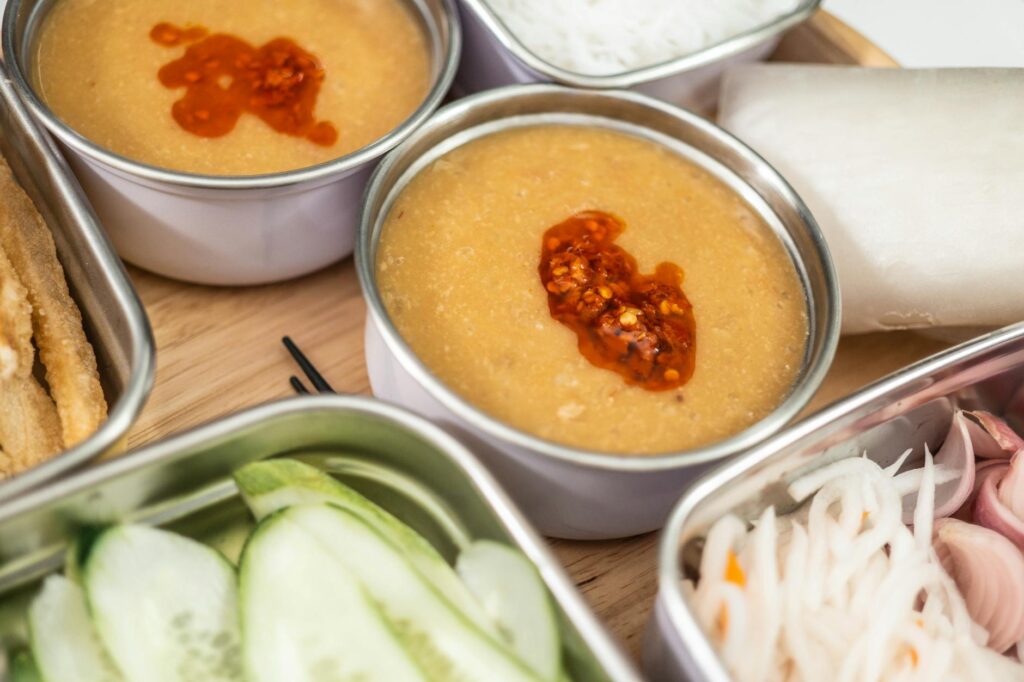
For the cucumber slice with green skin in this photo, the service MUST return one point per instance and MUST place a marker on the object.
(444, 643)
(64, 642)
(72, 567)
(78, 550)
(164, 606)
(306, 619)
(274, 484)
(515, 597)
(24, 669)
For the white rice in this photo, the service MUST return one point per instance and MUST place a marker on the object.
(603, 37)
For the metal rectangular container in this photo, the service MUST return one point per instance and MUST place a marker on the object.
(115, 322)
(493, 57)
(905, 410)
(399, 460)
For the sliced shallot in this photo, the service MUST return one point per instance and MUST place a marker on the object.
(989, 467)
(990, 510)
(992, 437)
(956, 459)
(988, 570)
(1011, 487)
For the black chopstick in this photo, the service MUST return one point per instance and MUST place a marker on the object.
(297, 384)
(315, 378)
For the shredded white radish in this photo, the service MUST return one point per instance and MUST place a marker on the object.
(806, 486)
(910, 481)
(895, 467)
(840, 589)
(924, 512)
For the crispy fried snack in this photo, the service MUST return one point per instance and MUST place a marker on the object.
(56, 322)
(16, 352)
(29, 426)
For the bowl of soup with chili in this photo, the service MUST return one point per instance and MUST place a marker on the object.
(608, 292)
(201, 128)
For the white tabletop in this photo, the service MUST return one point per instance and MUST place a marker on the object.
(940, 32)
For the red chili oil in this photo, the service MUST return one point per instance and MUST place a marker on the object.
(639, 326)
(225, 77)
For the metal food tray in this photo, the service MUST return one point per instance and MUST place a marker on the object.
(906, 410)
(399, 460)
(115, 322)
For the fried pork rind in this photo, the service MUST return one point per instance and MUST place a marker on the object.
(30, 429)
(57, 324)
(16, 352)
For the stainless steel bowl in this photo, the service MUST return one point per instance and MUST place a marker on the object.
(114, 320)
(570, 492)
(227, 229)
(494, 56)
(905, 410)
(399, 460)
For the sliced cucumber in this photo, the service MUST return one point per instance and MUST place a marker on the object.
(63, 639)
(445, 644)
(305, 618)
(165, 606)
(78, 550)
(515, 597)
(274, 484)
(72, 565)
(24, 669)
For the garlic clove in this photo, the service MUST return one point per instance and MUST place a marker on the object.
(987, 569)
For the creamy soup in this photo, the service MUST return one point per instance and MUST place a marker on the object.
(227, 88)
(470, 268)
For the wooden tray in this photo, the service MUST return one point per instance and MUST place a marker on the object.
(219, 350)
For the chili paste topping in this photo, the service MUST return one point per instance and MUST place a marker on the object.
(224, 77)
(639, 326)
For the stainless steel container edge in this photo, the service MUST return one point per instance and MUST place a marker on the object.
(904, 410)
(496, 57)
(550, 72)
(114, 318)
(381, 445)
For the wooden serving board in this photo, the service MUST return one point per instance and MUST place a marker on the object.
(219, 350)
